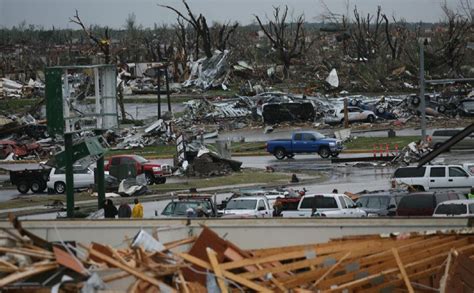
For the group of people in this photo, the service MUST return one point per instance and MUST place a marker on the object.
(124, 210)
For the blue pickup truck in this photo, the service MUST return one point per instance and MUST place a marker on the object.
(304, 142)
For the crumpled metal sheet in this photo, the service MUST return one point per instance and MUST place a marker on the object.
(209, 73)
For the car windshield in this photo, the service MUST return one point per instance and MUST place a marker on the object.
(178, 208)
(451, 209)
(374, 202)
(242, 204)
(319, 202)
(140, 159)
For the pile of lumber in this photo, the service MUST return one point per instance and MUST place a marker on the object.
(442, 261)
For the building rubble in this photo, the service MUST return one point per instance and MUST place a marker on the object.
(209, 263)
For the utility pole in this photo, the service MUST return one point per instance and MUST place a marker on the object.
(159, 92)
(422, 91)
(167, 88)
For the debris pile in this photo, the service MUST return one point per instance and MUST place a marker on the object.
(441, 260)
(12, 89)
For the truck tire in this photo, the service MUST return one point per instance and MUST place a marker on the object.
(324, 152)
(280, 153)
(23, 187)
(370, 118)
(60, 187)
(150, 179)
(36, 186)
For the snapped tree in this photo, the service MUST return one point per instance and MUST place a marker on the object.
(287, 38)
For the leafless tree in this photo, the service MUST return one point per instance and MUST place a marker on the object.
(221, 34)
(396, 35)
(287, 38)
(454, 38)
(103, 43)
(203, 38)
(365, 34)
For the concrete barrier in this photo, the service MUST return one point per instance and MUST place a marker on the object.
(247, 233)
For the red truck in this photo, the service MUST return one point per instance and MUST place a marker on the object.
(154, 173)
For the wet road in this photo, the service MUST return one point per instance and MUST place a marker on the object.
(344, 177)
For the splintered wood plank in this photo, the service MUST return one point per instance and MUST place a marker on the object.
(402, 270)
(25, 274)
(217, 270)
(424, 273)
(434, 260)
(132, 271)
(66, 260)
(227, 274)
(48, 255)
(305, 263)
(183, 283)
(177, 243)
(382, 262)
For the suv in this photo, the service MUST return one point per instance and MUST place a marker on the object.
(424, 203)
(455, 208)
(433, 177)
(381, 203)
(154, 173)
(439, 136)
(83, 178)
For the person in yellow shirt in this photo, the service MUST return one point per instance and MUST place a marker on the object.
(137, 212)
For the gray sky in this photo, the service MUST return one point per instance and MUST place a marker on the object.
(114, 12)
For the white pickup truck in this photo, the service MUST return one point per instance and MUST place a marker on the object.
(325, 205)
(434, 177)
(248, 207)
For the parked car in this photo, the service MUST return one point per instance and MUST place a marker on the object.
(424, 203)
(83, 178)
(433, 177)
(304, 142)
(455, 208)
(248, 207)
(466, 108)
(381, 204)
(354, 114)
(154, 173)
(202, 206)
(325, 205)
(439, 136)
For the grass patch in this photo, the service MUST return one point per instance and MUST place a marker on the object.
(17, 105)
(38, 200)
(367, 143)
(243, 177)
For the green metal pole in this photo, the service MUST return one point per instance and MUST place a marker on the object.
(100, 182)
(69, 175)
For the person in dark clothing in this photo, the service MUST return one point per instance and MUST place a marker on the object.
(110, 211)
(124, 210)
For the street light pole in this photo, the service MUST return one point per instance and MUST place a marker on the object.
(422, 91)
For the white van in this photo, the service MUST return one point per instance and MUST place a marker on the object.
(455, 208)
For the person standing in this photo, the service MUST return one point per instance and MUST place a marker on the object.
(124, 210)
(110, 211)
(137, 212)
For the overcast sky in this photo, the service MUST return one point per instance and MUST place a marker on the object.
(113, 13)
